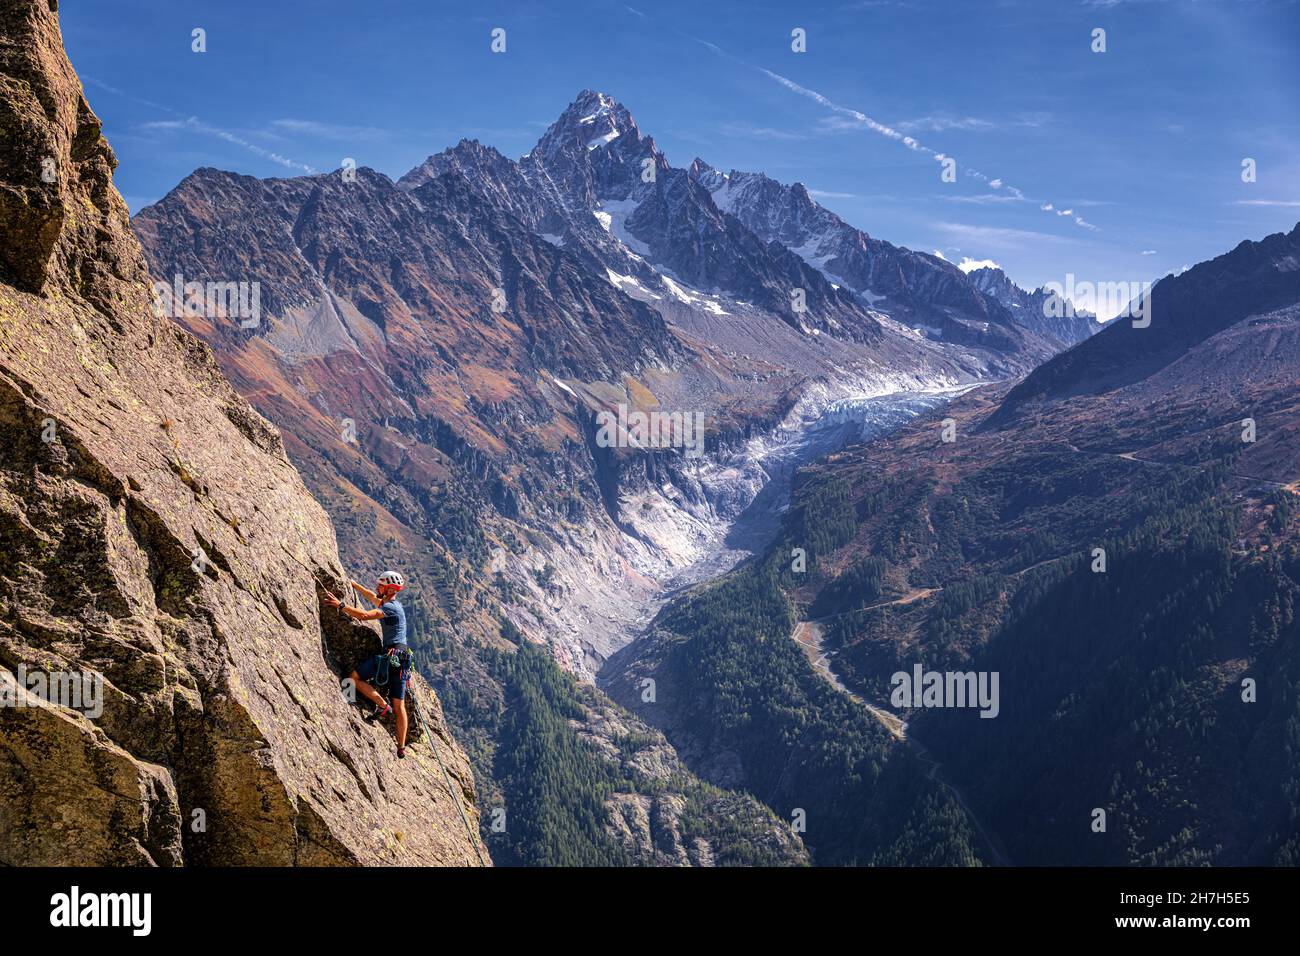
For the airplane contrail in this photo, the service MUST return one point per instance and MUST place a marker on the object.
(883, 129)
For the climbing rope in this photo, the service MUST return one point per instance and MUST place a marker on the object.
(469, 831)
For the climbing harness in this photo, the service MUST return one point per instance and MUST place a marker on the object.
(391, 659)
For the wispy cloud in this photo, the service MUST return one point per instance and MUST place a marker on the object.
(837, 124)
(750, 131)
(863, 121)
(822, 194)
(996, 237)
(335, 131)
(1267, 202)
(857, 118)
(101, 85)
(983, 199)
(195, 125)
(969, 265)
(942, 122)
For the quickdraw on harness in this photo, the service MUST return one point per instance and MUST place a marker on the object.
(395, 657)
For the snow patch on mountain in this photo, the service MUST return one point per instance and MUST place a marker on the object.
(617, 211)
(629, 284)
(603, 139)
(813, 253)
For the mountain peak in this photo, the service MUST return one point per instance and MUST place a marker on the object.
(593, 99)
(593, 120)
(707, 176)
(992, 280)
(464, 157)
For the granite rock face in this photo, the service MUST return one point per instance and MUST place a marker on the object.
(157, 544)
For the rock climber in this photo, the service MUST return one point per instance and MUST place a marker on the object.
(392, 668)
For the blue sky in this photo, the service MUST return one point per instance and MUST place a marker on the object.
(1137, 151)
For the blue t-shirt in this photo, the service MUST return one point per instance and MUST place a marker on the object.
(393, 623)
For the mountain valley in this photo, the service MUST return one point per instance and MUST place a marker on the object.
(441, 350)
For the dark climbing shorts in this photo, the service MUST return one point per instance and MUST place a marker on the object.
(385, 677)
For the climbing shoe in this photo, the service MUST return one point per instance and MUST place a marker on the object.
(379, 713)
(401, 752)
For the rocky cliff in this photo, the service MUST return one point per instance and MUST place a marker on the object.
(156, 542)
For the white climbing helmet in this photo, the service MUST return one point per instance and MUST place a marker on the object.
(393, 579)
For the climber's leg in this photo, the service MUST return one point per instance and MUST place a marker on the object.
(365, 690)
(399, 708)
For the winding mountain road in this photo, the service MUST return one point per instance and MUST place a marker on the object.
(1293, 487)
(809, 635)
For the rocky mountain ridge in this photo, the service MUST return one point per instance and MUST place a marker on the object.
(1186, 310)
(1049, 313)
